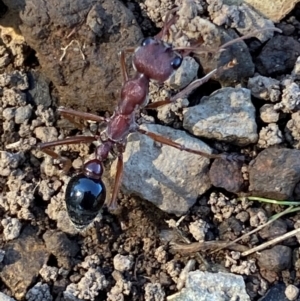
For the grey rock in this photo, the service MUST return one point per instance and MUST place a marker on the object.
(250, 21)
(205, 286)
(40, 292)
(274, 173)
(4, 297)
(290, 98)
(265, 88)
(9, 113)
(24, 257)
(169, 178)
(154, 292)
(243, 18)
(275, 259)
(226, 115)
(23, 114)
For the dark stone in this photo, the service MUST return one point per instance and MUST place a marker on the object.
(87, 80)
(275, 229)
(61, 247)
(275, 293)
(230, 225)
(275, 259)
(39, 89)
(275, 173)
(278, 56)
(227, 175)
(24, 257)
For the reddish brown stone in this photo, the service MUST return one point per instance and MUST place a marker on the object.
(275, 173)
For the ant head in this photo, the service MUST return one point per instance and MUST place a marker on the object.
(156, 59)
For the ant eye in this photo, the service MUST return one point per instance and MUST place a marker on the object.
(176, 62)
(147, 41)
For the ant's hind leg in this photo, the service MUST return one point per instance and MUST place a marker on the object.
(169, 142)
(46, 148)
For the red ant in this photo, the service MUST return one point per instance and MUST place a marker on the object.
(153, 60)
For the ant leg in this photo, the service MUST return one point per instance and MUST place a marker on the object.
(168, 23)
(45, 147)
(187, 90)
(204, 49)
(169, 142)
(85, 116)
(112, 204)
(123, 63)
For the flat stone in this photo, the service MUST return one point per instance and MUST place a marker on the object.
(169, 178)
(24, 257)
(227, 175)
(274, 173)
(203, 286)
(275, 259)
(226, 115)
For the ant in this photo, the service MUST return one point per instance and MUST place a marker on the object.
(154, 60)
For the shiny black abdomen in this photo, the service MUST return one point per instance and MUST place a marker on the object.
(84, 199)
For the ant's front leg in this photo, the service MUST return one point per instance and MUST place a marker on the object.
(123, 63)
(169, 142)
(46, 148)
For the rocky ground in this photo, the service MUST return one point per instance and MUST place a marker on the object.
(167, 239)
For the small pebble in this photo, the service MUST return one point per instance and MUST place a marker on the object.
(292, 292)
(123, 263)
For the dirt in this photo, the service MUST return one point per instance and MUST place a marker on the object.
(117, 257)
